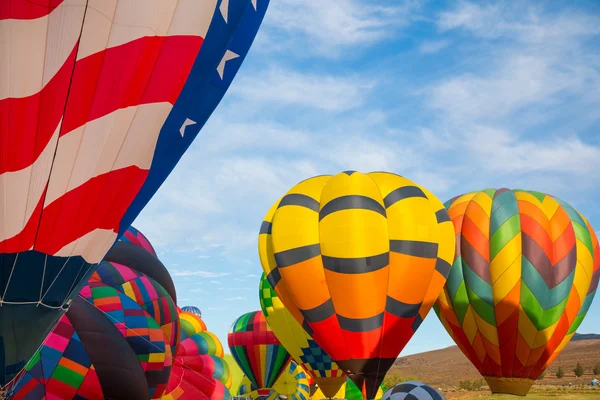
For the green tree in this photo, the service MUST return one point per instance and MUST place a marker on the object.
(578, 370)
(596, 369)
(560, 373)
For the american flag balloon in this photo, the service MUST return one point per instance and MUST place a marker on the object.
(99, 99)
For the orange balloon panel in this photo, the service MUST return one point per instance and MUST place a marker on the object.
(358, 259)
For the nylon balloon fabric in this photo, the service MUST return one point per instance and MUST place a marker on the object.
(348, 391)
(292, 383)
(412, 390)
(193, 309)
(199, 370)
(352, 392)
(133, 236)
(84, 357)
(297, 341)
(120, 300)
(257, 350)
(99, 101)
(525, 275)
(192, 324)
(362, 258)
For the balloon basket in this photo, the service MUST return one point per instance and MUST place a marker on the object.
(514, 386)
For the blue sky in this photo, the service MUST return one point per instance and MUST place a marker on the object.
(455, 96)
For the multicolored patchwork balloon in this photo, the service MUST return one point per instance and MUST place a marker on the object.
(257, 350)
(362, 259)
(526, 271)
(199, 370)
(122, 321)
(295, 339)
(112, 284)
(78, 359)
(133, 236)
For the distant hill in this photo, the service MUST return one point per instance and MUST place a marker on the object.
(585, 336)
(447, 367)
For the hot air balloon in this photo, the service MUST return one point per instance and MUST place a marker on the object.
(257, 350)
(192, 310)
(348, 391)
(203, 342)
(121, 330)
(412, 390)
(362, 258)
(133, 236)
(199, 370)
(296, 341)
(526, 271)
(292, 383)
(98, 102)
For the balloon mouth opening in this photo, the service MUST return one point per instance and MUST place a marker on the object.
(513, 386)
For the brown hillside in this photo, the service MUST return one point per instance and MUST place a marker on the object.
(447, 367)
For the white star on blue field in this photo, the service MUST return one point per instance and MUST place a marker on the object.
(455, 96)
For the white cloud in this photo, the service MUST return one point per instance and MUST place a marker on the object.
(520, 80)
(500, 151)
(202, 274)
(433, 46)
(518, 21)
(278, 87)
(235, 298)
(330, 27)
(540, 63)
(529, 67)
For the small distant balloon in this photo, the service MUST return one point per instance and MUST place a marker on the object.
(192, 310)
(412, 390)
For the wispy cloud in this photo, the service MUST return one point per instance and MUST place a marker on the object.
(433, 46)
(201, 274)
(520, 21)
(235, 298)
(333, 26)
(279, 87)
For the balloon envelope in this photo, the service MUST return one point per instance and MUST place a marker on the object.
(133, 236)
(526, 271)
(257, 350)
(363, 258)
(412, 390)
(296, 340)
(98, 102)
(292, 383)
(121, 318)
(193, 310)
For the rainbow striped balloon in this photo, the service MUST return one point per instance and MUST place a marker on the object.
(257, 350)
(525, 273)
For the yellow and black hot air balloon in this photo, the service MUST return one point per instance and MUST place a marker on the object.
(358, 260)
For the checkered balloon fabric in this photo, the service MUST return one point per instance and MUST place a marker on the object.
(412, 390)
